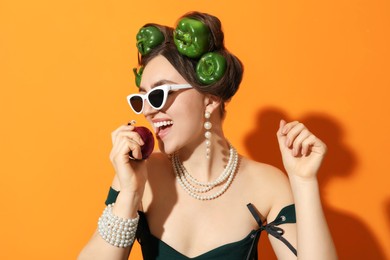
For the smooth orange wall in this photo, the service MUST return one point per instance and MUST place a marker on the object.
(65, 69)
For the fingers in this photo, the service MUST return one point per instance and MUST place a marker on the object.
(128, 147)
(126, 131)
(125, 142)
(303, 143)
(281, 137)
(115, 133)
(285, 135)
(296, 137)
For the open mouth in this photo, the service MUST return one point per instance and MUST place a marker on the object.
(162, 127)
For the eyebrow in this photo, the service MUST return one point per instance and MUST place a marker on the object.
(159, 83)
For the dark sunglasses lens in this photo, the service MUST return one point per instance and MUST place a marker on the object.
(156, 98)
(136, 103)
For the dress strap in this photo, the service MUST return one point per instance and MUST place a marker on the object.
(111, 196)
(286, 215)
(255, 214)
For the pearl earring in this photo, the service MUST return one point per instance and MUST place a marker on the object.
(207, 134)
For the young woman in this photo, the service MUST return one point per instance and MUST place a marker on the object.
(198, 198)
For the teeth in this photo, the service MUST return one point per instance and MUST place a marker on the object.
(162, 123)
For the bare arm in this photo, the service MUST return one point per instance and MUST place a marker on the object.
(314, 239)
(302, 155)
(97, 248)
(130, 179)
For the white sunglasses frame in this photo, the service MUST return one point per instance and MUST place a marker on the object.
(165, 88)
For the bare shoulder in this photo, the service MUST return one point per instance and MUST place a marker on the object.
(262, 174)
(270, 187)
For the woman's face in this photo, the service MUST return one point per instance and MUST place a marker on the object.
(183, 112)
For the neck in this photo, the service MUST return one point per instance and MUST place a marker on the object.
(194, 158)
(212, 187)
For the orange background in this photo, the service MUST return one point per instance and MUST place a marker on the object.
(65, 69)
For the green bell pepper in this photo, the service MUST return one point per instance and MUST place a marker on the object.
(138, 75)
(191, 37)
(148, 38)
(210, 68)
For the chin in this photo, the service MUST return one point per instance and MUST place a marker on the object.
(165, 147)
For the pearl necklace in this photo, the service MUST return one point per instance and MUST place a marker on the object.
(188, 182)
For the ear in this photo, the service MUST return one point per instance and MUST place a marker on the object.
(212, 103)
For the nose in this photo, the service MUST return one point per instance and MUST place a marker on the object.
(148, 109)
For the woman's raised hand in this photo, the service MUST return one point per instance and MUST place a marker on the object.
(132, 173)
(302, 152)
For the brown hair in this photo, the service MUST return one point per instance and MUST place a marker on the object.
(227, 86)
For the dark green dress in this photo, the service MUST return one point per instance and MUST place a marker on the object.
(155, 249)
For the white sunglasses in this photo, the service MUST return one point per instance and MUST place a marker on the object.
(156, 97)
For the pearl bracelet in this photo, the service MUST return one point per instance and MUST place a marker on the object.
(117, 231)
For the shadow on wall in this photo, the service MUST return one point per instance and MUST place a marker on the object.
(352, 237)
(387, 213)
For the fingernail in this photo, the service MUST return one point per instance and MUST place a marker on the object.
(131, 122)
